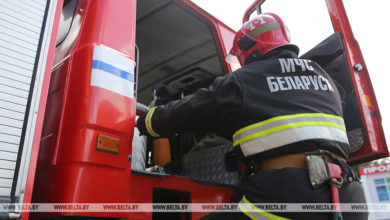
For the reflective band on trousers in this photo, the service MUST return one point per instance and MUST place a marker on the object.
(254, 212)
(148, 123)
(287, 129)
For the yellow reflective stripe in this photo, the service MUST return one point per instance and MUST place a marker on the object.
(148, 123)
(292, 135)
(246, 213)
(286, 121)
(288, 126)
(259, 211)
(286, 117)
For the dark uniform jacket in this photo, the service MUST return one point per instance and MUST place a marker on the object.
(277, 105)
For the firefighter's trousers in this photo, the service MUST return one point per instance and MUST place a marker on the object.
(290, 185)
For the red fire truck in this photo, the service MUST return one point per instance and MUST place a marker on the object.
(75, 73)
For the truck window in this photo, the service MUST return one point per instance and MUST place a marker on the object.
(67, 13)
(178, 54)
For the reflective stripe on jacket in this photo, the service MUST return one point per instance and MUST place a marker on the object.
(287, 129)
(148, 123)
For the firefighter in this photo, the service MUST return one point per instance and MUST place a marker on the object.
(280, 111)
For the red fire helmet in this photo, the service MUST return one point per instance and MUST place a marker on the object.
(258, 37)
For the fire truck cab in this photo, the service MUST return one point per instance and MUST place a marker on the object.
(76, 73)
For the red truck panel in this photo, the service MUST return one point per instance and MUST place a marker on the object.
(70, 168)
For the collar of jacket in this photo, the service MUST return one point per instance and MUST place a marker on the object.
(278, 53)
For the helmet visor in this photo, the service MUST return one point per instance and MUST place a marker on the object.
(232, 59)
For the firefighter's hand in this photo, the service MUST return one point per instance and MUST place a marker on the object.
(141, 124)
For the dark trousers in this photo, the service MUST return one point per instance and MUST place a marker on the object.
(292, 185)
